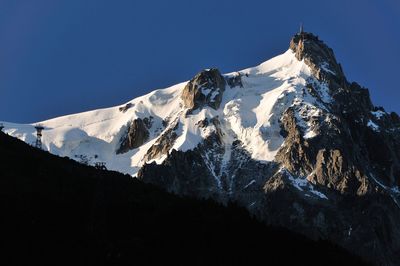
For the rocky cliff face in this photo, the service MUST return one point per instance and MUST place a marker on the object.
(356, 133)
(356, 155)
(206, 88)
(136, 134)
(335, 176)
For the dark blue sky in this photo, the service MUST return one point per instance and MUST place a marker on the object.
(61, 57)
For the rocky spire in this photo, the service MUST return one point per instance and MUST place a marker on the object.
(136, 134)
(318, 56)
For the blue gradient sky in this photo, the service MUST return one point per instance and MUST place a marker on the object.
(61, 57)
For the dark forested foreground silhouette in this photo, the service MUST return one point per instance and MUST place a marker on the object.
(55, 211)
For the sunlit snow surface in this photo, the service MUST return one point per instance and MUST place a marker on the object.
(250, 114)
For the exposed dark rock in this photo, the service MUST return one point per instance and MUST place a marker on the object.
(165, 122)
(182, 173)
(235, 81)
(206, 88)
(218, 132)
(319, 57)
(203, 123)
(355, 101)
(366, 225)
(163, 144)
(292, 155)
(395, 118)
(148, 121)
(329, 159)
(137, 134)
(126, 107)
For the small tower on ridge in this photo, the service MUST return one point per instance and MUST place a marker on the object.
(38, 143)
(301, 29)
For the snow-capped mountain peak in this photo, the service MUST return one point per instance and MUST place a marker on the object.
(290, 139)
(248, 110)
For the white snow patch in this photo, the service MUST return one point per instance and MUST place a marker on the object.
(394, 191)
(373, 126)
(211, 167)
(324, 92)
(378, 114)
(214, 94)
(310, 134)
(249, 184)
(303, 184)
(325, 66)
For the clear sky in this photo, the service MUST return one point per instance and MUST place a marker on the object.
(66, 56)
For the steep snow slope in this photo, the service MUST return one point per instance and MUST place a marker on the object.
(249, 113)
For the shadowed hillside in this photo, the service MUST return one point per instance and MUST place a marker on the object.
(56, 211)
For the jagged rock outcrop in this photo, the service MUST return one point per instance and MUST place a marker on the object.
(126, 107)
(319, 57)
(206, 88)
(137, 134)
(327, 159)
(235, 80)
(352, 142)
(163, 144)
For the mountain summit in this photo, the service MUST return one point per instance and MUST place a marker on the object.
(290, 139)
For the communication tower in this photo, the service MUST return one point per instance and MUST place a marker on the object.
(38, 142)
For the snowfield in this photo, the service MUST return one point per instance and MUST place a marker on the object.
(250, 114)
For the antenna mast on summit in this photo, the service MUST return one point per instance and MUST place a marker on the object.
(38, 143)
(301, 28)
